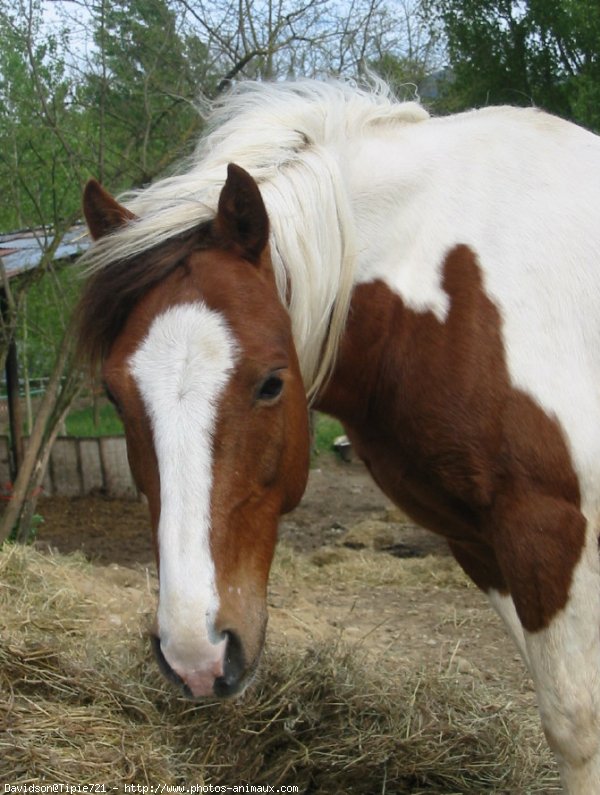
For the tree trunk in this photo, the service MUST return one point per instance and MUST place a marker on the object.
(54, 406)
(15, 414)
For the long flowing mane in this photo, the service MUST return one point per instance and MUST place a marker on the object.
(289, 136)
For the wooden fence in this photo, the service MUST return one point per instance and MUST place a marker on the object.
(80, 466)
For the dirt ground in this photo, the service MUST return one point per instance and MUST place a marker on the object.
(338, 497)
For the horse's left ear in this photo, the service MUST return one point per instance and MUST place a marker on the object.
(103, 214)
(242, 219)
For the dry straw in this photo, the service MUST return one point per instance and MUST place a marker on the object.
(81, 702)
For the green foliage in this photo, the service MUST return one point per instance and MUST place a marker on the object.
(36, 521)
(122, 113)
(45, 316)
(523, 52)
(326, 429)
(403, 75)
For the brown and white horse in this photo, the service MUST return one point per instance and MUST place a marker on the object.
(435, 284)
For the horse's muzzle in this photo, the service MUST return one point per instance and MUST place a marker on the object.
(227, 681)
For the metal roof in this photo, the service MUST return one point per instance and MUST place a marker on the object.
(22, 251)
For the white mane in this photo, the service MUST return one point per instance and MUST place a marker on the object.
(289, 137)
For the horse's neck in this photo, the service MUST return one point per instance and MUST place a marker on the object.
(356, 374)
(380, 179)
(353, 216)
(396, 273)
(392, 189)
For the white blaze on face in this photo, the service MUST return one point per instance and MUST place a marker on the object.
(181, 369)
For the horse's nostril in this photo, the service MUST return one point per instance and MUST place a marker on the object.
(165, 668)
(233, 669)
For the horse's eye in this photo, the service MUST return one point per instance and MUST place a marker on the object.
(270, 388)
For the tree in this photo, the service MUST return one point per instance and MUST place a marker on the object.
(109, 88)
(139, 89)
(523, 52)
(60, 123)
(38, 157)
(268, 39)
(407, 68)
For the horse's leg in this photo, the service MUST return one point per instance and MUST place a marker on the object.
(549, 557)
(479, 563)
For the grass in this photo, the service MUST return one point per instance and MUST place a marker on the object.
(80, 422)
(81, 702)
(368, 568)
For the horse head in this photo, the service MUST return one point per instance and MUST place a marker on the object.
(201, 365)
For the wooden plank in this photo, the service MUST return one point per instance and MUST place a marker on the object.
(47, 487)
(66, 479)
(117, 475)
(91, 466)
(82, 466)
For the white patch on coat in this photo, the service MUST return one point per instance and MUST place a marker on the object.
(181, 369)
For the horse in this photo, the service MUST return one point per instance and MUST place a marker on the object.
(434, 283)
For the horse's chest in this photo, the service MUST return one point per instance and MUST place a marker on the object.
(434, 494)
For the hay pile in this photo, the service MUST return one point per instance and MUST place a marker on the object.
(81, 702)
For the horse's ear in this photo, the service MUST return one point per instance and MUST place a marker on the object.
(103, 214)
(242, 219)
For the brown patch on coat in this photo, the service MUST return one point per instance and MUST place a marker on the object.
(432, 412)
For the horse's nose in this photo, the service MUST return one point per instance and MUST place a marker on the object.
(221, 677)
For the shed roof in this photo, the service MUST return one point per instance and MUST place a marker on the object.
(22, 251)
